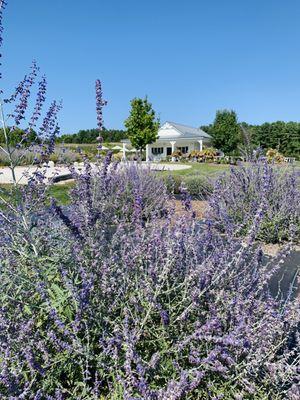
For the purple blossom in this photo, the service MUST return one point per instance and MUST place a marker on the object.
(22, 105)
(100, 103)
(41, 97)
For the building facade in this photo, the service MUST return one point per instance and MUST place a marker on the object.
(172, 137)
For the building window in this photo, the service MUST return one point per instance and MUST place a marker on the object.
(184, 149)
(157, 150)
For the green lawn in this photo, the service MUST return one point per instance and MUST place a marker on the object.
(72, 145)
(60, 192)
(204, 169)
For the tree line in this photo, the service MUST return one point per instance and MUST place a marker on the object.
(90, 136)
(234, 137)
(228, 134)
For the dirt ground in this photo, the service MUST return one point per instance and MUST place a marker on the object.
(199, 207)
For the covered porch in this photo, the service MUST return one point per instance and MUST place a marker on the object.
(162, 149)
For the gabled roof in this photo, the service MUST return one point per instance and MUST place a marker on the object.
(185, 131)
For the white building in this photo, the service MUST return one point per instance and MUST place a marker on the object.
(173, 136)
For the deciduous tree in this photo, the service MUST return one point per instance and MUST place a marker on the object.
(226, 131)
(142, 124)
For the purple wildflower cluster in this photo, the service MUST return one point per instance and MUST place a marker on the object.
(22, 105)
(123, 300)
(40, 99)
(259, 187)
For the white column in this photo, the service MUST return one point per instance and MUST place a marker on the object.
(165, 152)
(147, 152)
(173, 149)
(201, 144)
(124, 151)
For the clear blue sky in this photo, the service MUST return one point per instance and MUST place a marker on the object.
(190, 57)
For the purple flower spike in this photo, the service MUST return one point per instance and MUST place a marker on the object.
(100, 103)
(41, 97)
(21, 107)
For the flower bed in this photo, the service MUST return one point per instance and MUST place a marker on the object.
(121, 301)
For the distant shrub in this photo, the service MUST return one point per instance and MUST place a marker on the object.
(64, 155)
(118, 156)
(177, 154)
(26, 157)
(197, 186)
(173, 183)
(258, 188)
(20, 156)
(274, 156)
(208, 153)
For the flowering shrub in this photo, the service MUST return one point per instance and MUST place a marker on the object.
(176, 154)
(19, 157)
(207, 154)
(263, 188)
(65, 155)
(156, 311)
(110, 193)
(274, 156)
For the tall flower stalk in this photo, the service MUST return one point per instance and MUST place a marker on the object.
(100, 103)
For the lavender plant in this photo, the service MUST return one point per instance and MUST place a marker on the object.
(111, 193)
(273, 191)
(160, 310)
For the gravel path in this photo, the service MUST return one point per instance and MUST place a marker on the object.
(23, 173)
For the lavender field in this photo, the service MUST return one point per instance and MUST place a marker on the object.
(118, 296)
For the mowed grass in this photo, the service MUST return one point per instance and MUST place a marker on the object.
(88, 145)
(60, 192)
(203, 169)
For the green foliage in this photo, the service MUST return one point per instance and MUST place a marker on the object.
(198, 186)
(15, 136)
(280, 135)
(142, 125)
(90, 136)
(225, 131)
